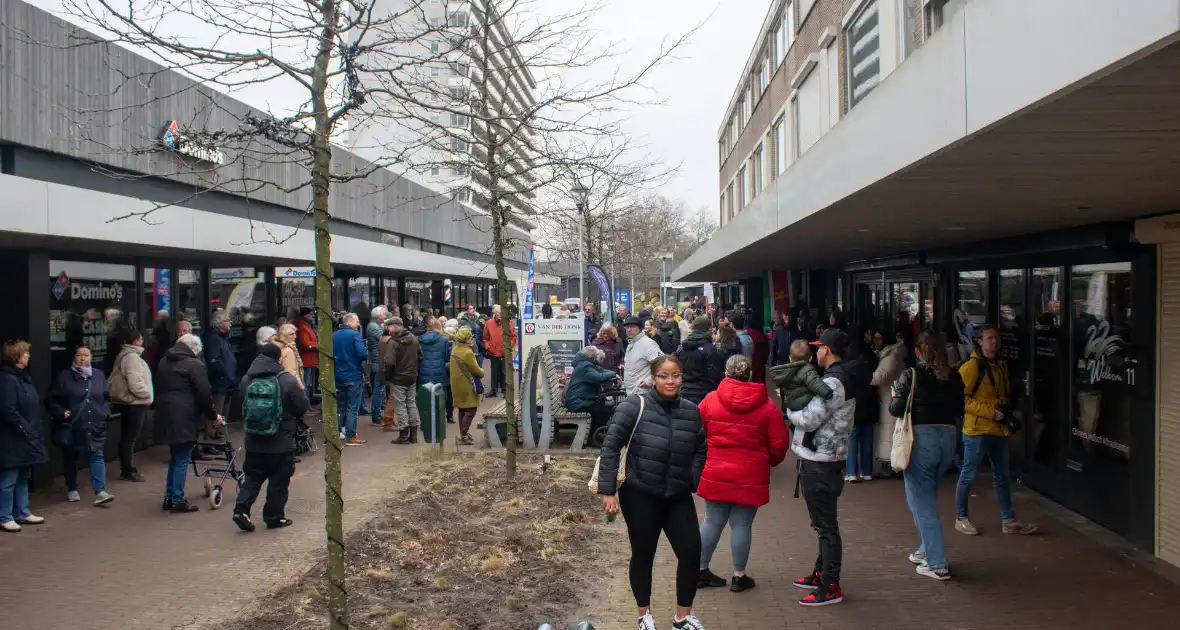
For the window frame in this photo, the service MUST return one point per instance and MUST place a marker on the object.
(846, 33)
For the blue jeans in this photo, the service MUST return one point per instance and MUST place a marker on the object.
(997, 451)
(177, 471)
(98, 469)
(741, 532)
(378, 406)
(308, 380)
(860, 450)
(14, 493)
(930, 458)
(348, 404)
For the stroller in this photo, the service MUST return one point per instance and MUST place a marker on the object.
(610, 396)
(215, 462)
(305, 441)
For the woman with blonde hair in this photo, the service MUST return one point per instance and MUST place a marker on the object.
(288, 353)
(612, 348)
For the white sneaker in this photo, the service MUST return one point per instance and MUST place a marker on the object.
(12, 528)
(342, 436)
(647, 622)
(688, 623)
(103, 498)
(850, 478)
(917, 557)
(32, 519)
(941, 575)
(73, 497)
(866, 477)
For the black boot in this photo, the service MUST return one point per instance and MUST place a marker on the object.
(413, 435)
(403, 437)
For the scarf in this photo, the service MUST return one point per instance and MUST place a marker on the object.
(84, 372)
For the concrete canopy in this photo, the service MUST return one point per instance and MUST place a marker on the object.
(981, 133)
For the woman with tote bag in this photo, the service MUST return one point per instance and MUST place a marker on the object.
(930, 397)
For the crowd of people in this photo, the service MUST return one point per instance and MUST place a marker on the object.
(193, 386)
(698, 418)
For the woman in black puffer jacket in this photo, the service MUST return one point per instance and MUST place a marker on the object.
(664, 464)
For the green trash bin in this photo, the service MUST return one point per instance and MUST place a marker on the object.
(432, 410)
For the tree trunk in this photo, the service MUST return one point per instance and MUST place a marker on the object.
(321, 187)
(499, 219)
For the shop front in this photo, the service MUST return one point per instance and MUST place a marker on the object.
(1077, 327)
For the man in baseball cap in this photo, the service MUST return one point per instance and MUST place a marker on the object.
(820, 441)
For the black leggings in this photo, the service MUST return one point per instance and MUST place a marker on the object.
(647, 515)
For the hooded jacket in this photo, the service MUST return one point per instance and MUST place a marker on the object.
(585, 384)
(463, 392)
(131, 380)
(823, 426)
(702, 365)
(746, 438)
(637, 361)
(351, 354)
(402, 355)
(308, 343)
(612, 353)
(436, 352)
(88, 402)
(493, 336)
(295, 404)
(747, 343)
(669, 335)
(890, 365)
(667, 452)
(183, 396)
(797, 383)
(22, 437)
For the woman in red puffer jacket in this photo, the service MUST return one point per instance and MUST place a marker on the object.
(746, 438)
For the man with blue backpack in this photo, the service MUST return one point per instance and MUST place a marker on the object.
(272, 405)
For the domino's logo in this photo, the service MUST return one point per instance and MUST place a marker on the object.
(61, 285)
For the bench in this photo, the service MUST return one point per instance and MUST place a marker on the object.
(498, 414)
(557, 412)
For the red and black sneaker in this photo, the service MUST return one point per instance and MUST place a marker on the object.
(824, 595)
(811, 582)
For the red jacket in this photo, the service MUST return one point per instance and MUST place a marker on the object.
(308, 343)
(493, 337)
(746, 437)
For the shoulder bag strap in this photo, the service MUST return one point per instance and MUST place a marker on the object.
(909, 405)
(637, 419)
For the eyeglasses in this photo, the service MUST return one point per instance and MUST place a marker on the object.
(670, 377)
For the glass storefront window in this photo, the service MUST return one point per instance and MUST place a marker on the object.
(390, 294)
(1012, 309)
(155, 306)
(89, 303)
(418, 295)
(295, 294)
(971, 308)
(905, 310)
(241, 292)
(360, 293)
(338, 302)
(1104, 375)
(190, 298)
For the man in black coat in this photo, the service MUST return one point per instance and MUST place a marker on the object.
(669, 331)
(701, 363)
(271, 458)
(184, 400)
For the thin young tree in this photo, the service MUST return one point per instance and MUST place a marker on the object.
(514, 105)
(313, 50)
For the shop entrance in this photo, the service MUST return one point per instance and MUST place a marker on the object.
(1067, 335)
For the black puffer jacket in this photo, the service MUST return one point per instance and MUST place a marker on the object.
(935, 401)
(183, 396)
(702, 364)
(669, 337)
(667, 451)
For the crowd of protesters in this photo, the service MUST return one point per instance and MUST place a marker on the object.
(698, 418)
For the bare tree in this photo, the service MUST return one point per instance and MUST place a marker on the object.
(509, 113)
(335, 54)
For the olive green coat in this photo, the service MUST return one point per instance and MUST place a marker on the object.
(462, 390)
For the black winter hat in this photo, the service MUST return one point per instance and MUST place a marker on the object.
(271, 350)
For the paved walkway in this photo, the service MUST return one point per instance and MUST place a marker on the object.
(1061, 579)
(133, 566)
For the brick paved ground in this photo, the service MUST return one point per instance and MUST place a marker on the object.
(133, 566)
(1062, 579)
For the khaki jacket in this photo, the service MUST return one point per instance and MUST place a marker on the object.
(291, 361)
(130, 381)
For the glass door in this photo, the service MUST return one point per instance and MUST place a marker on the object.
(1045, 433)
(1014, 328)
(1104, 380)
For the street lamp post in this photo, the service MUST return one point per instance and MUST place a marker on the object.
(664, 257)
(581, 194)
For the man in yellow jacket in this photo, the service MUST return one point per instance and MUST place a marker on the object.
(985, 431)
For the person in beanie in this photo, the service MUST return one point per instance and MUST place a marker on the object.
(269, 458)
(821, 443)
(464, 368)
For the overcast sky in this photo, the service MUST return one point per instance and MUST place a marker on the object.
(695, 88)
